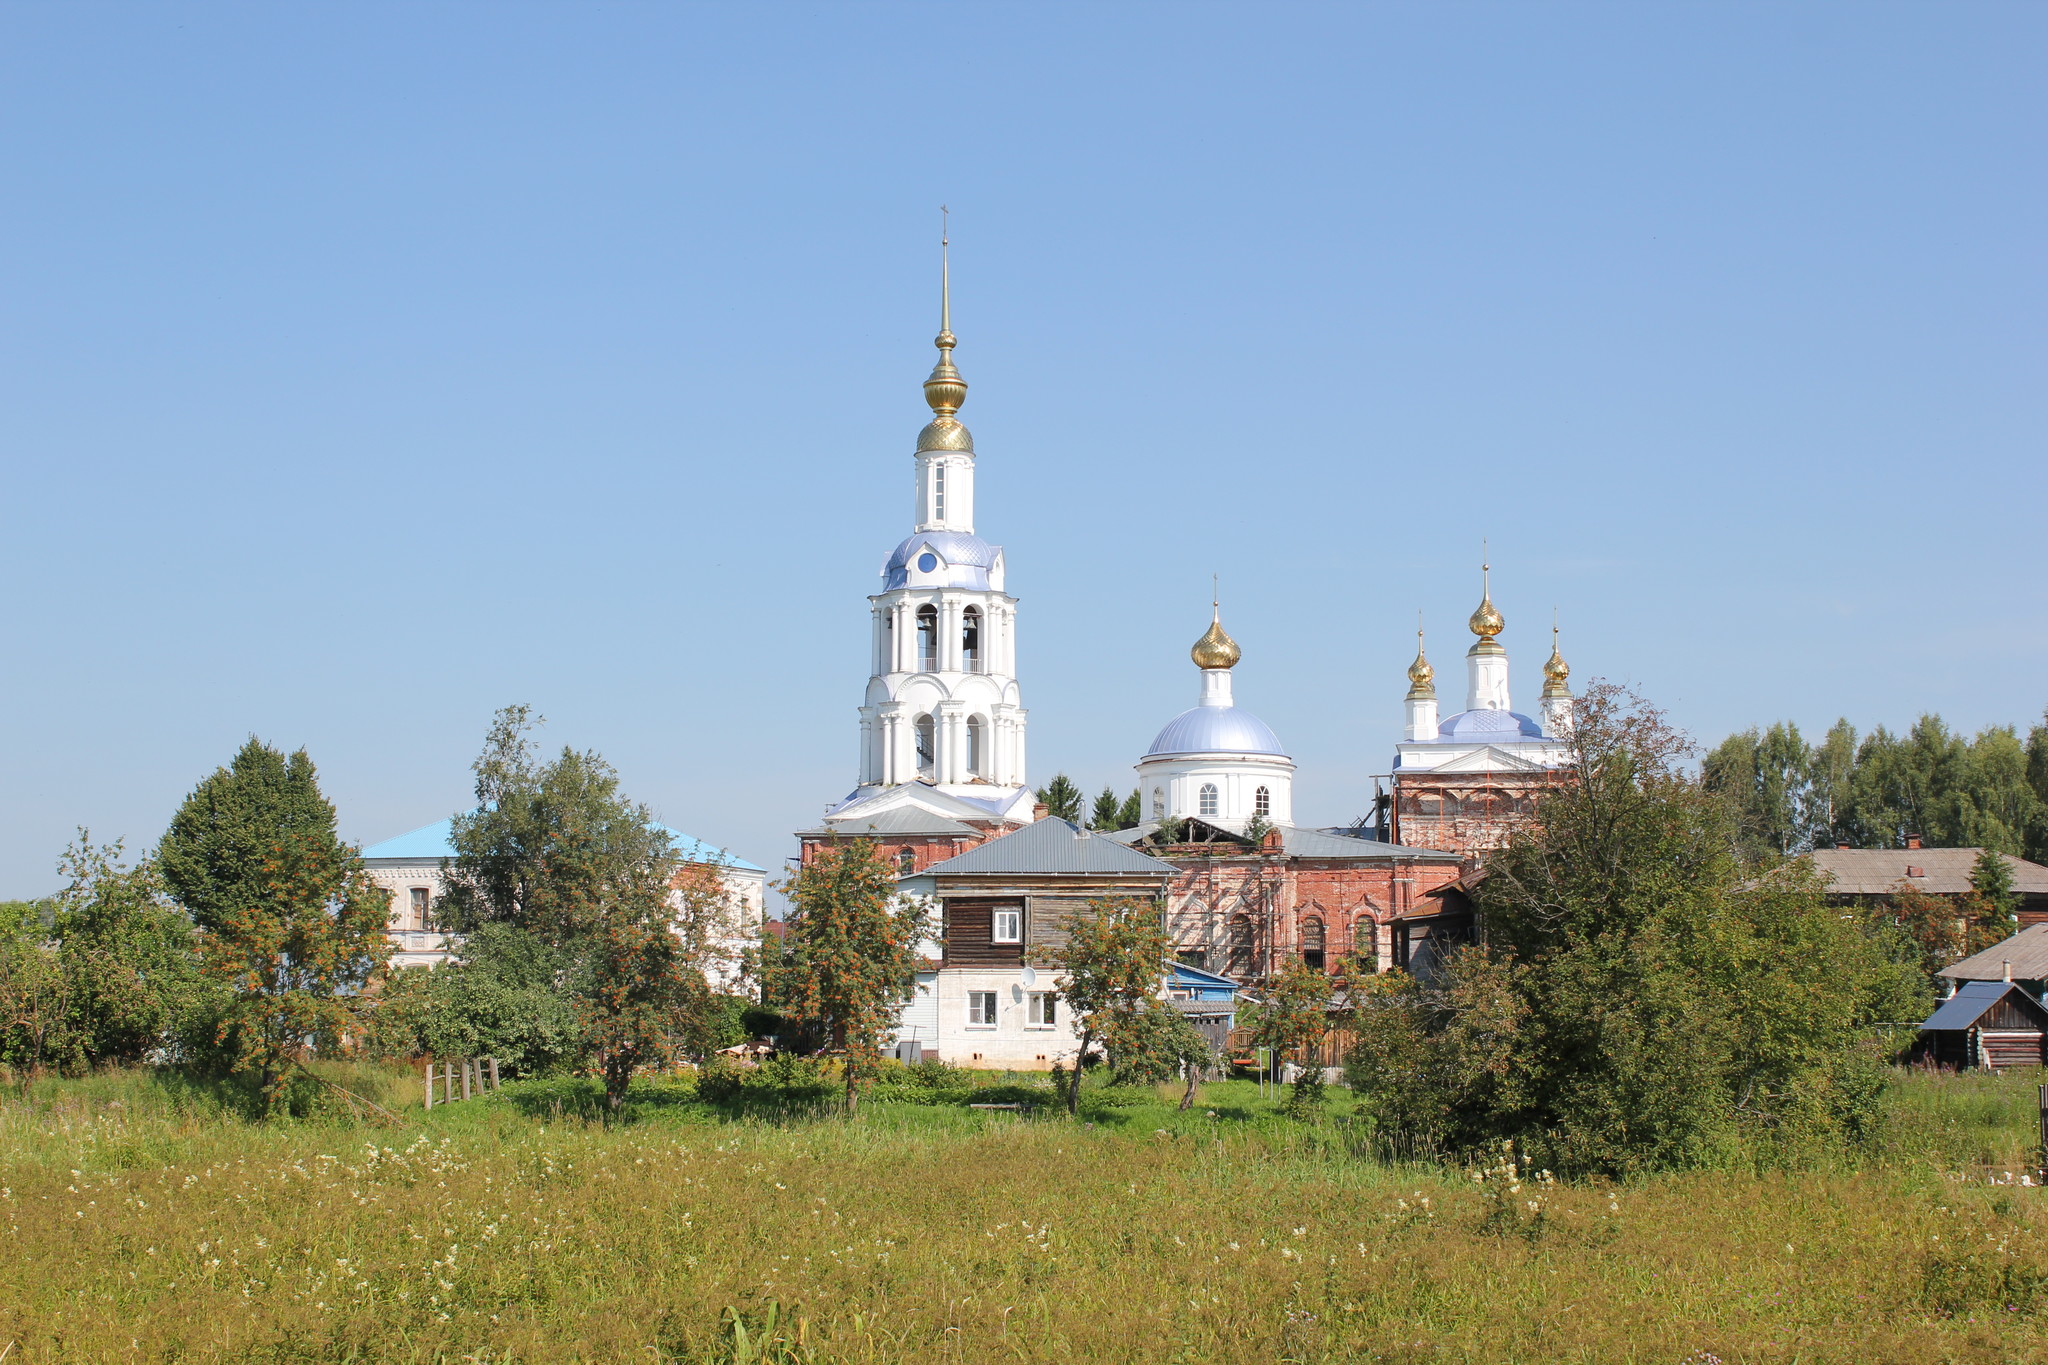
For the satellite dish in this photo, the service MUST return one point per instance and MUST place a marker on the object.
(1031, 976)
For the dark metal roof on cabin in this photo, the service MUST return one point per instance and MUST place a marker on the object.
(1051, 847)
(1971, 1002)
(1944, 871)
(898, 820)
(2026, 951)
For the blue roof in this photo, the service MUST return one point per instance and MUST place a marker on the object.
(1216, 730)
(1971, 1002)
(430, 842)
(964, 559)
(1487, 725)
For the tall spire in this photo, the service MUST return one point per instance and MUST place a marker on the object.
(945, 390)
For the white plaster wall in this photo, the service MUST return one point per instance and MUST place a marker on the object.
(1012, 1044)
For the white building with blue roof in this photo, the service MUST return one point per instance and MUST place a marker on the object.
(413, 868)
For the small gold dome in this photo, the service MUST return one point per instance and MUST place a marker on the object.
(1486, 622)
(1421, 676)
(1555, 670)
(945, 433)
(1215, 649)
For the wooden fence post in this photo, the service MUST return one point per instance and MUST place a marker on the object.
(430, 1085)
(2044, 1132)
(448, 1082)
(465, 1078)
(496, 1086)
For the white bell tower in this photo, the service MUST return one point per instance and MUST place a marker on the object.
(943, 706)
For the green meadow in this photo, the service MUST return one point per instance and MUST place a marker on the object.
(147, 1220)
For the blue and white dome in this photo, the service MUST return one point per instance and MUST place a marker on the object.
(950, 559)
(1487, 726)
(1216, 730)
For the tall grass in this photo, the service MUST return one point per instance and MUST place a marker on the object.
(147, 1219)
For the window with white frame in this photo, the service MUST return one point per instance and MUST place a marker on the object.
(981, 1009)
(1262, 802)
(1206, 803)
(419, 908)
(938, 492)
(1007, 926)
(1044, 1010)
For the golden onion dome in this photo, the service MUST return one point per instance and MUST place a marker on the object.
(1555, 670)
(1486, 621)
(1215, 649)
(1421, 676)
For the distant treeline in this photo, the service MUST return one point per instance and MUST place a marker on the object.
(1872, 791)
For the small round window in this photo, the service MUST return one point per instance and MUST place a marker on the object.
(927, 562)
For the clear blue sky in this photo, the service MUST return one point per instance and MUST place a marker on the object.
(367, 367)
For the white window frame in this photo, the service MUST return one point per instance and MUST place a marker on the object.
(1042, 1009)
(419, 903)
(1015, 926)
(1209, 800)
(975, 999)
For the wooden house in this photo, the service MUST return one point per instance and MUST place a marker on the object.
(1991, 1024)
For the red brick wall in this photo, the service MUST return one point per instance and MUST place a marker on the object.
(1354, 899)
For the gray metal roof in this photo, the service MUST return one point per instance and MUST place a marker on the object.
(898, 820)
(1878, 871)
(1970, 1003)
(1311, 843)
(1051, 846)
(2027, 951)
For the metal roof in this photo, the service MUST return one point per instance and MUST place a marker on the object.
(1216, 730)
(1486, 726)
(898, 820)
(1946, 871)
(2026, 951)
(430, 843)
(1972, 1002)
(1305, 843)
(1051, 846)
(964, 559)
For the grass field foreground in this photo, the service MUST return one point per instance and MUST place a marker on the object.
(144, 1223)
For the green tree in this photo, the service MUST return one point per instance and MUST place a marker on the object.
(2037, 780)
(1645, 997)
(294, 927)
(1768, 776)
(1292, 1016)
(1158, 1043)
(583, 880)
(1991, 902)
(510, 995)
(848, 955)
(35, 997)
(132, 973)
(1062, 798)
(1110, 964)
(1131, 813)
(1107, 808)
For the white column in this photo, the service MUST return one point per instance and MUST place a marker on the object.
(1486, 666)
(1422, 725)
(867, 745)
